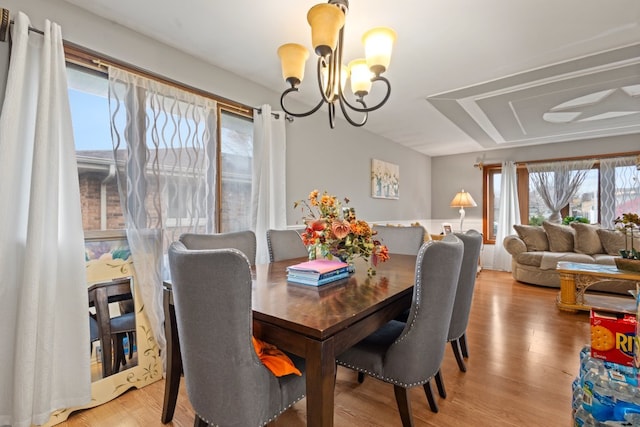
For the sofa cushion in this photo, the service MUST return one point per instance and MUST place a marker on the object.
(605, 259)
(613, 241)
(550, 260)
(586, 239)
(560, 237)
(533, 236)
(532, 259)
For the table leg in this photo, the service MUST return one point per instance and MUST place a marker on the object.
(174, 358)
(567, 297)
(321, 380)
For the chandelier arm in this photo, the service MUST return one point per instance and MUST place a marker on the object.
(332, 115)
(343, 101)
(326, 92)
(375, 107)
(286, 110)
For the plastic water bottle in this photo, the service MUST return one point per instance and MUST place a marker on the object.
(598, 398)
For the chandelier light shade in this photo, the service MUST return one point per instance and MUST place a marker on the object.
(463, 200)
(327, 21)
(292, 57)
(378, 44)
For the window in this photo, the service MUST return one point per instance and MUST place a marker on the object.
(101, 209)
(611, 187)
(237, 157)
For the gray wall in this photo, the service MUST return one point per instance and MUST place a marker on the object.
(460, 173)
(337, 160)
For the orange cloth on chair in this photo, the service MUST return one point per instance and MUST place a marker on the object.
(275, 360)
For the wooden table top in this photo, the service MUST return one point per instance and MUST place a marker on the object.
(320, 312)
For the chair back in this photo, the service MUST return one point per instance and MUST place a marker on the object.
(226, 382)
(472, 241)
(244, 241)
(285, 244)
(400, 240)
(417, 353)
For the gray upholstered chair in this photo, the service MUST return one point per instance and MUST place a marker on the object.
(472, 241)
(410, 354)
(400, 240)
(285, 244)
(227, 383)
(244, 241)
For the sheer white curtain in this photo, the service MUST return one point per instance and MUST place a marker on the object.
(508, 214)
(165, 148)
(44, 322)
(557, 182)
(619, 188)
(269, 189)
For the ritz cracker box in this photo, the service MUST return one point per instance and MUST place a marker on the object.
(613, 336)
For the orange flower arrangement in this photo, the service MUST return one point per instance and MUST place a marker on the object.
(333, 231)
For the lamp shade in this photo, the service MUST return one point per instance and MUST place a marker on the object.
(326, 21)
(463, 200)
(378, 44)
(360, 77)
(292, 57)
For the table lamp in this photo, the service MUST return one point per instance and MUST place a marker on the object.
(463, 200)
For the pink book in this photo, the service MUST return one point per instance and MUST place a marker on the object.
(319, 267)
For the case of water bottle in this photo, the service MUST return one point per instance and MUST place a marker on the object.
(605, 393)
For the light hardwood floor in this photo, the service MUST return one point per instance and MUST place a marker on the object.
(523, 356)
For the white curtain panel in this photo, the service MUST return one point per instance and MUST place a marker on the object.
(44, 312)
(557, 182)
(619, 188)
(269, 189)
(165, 149)
(508, 215)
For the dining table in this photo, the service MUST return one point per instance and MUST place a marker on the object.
(313, 322)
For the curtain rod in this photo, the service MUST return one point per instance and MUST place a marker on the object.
(5, 23)
(275, 115)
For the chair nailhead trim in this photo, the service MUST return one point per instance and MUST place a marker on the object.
(264, 423)
(383, 378)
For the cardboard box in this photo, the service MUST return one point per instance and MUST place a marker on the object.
(613, 336)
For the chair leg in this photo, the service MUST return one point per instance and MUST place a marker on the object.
(440, 384)
(360, 377)
(457, 352)
(432, 402)
(132, 343)
(463, 345)
(199, 422)
(404, 405)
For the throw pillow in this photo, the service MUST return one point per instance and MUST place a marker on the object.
(586, 239)
(613, 241)
(533, 236)
(560, 237)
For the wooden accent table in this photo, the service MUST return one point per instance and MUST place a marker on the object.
(575, 279)
(314, 323)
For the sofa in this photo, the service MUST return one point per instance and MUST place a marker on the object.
(536, 250)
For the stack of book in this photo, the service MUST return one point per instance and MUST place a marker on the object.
(317, 272)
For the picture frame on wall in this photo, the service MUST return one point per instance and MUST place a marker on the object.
(385, 180)
(446, 228)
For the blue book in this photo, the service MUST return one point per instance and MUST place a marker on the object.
(316, 282)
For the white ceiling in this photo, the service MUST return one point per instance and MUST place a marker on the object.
(466, 75)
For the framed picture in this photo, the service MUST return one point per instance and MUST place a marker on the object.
(107, 256)
(446, 228)
(385, 180)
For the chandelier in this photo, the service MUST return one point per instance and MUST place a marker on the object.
(327, 30)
